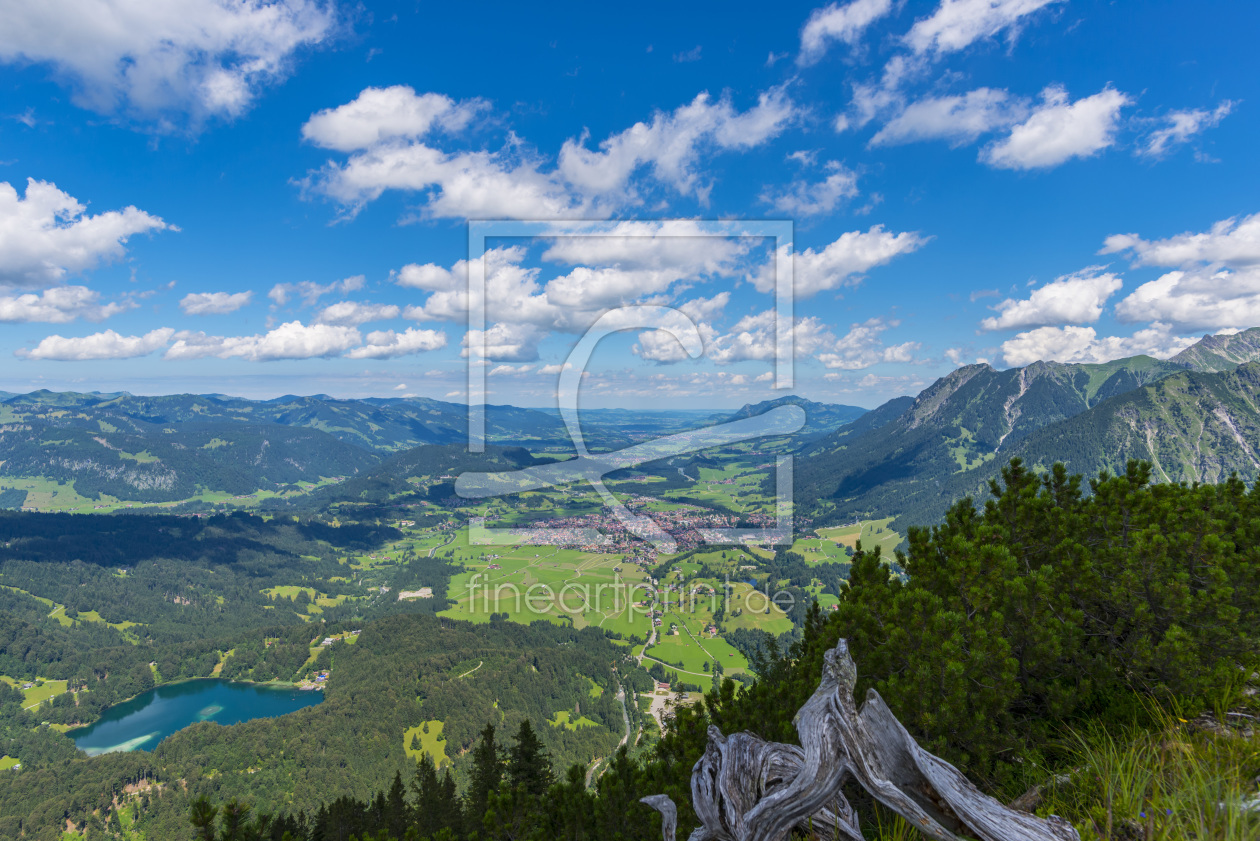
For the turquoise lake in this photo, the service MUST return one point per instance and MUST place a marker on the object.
(142, 722)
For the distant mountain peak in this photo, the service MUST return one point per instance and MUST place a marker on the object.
(1222, 352)
(749, 410)
(820, 417)
(932, 398)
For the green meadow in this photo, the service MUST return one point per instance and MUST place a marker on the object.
(562, 719)
(432, 742)
(872, 533)
(37, 694)
(529, 583)
(820, 549)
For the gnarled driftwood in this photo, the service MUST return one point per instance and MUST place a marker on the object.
(747, 789)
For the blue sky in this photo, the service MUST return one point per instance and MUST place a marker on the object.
(268, 198)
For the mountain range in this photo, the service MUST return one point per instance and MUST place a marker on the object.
(1194, 416)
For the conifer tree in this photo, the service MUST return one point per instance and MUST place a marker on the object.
(201, 816)
(396, 811)
(484, 777)
(529, 766)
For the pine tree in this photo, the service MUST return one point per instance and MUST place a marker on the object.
(235, 825)
(426, 790)
(202, 816)
(396, 811)
(484, 777)
(529, 766)
(450, 813)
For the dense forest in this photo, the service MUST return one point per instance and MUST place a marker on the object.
(402, 671)
(1046, 611)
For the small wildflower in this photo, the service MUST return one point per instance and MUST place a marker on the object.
(1141, 814)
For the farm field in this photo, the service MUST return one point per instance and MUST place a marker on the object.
(750, 608)
(696, 651)
(37, 694)
(546, 582)
(735, 486)
(870, 532)
(821, 549)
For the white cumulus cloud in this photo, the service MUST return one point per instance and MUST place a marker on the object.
(309, 292)
(432, 277)
(154, 59)
(58, 305)
(476, 184)
(671, 144)
(47, 234)
(1216, 284)
(754, 337)
(383, 114)
(354, 313)
(386, 344)
(957, 119)
(663, 346)
(862, 347)
(1059, 130)
(292, 340)
(1209, 298)
(507, 342)
(1180, 126)
(106, 345)
(1072, 299)
(840, 262)
(1230, 242)
(510, 370)
(811, 198)
(1082, 344)
(397, 151)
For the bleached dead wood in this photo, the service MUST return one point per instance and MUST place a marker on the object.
(747, 789)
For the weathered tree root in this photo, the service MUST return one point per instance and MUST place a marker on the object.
(747, 789)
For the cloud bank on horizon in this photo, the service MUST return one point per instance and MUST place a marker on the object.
(218, 195)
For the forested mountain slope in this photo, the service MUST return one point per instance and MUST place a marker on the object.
(375, 423)
(150, 463)
(1193, 416)
(965, 422)
(1221, 353)
(1192, 427)
(421, 473)
(167, 448)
